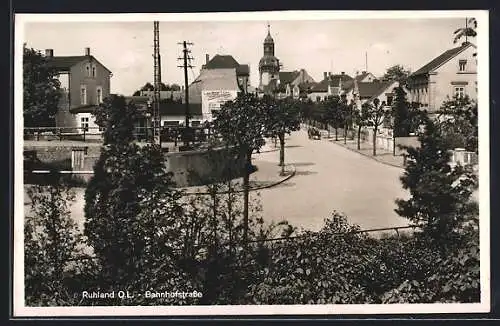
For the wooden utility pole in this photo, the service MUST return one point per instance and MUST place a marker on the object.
(186, 64)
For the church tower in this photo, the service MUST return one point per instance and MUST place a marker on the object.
(268, 65)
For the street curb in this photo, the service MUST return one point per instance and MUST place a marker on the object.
(369, 156)
(286, 178)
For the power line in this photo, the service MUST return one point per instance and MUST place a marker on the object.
(186, 59)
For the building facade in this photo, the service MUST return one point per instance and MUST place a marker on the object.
(269, 66)
(220, 80)
(331, 85)
(294, 84)
(453, 73)
(85, 82)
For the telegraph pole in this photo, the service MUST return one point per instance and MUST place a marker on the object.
(186, 64)
(157, 85)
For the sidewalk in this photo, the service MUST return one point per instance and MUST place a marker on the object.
(366, 149)
(268, 175)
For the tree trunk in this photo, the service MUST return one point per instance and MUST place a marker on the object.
(336, 134)
(375, 142)
(246, 192)
(282, 153)
(393, 144)
(345, 134)
(359, 138)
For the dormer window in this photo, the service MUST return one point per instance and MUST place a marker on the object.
(461, 65)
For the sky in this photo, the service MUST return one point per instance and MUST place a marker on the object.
(335, 45)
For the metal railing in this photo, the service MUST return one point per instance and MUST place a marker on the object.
(290, 238)
(168, 133)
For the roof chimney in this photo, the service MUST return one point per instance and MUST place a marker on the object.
(343, 72)
(87, 51)
(49, 53)
(364, 71)
(325, 74)
(207, 58)
(329, 73)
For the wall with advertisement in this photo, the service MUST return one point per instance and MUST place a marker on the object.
(211, 100)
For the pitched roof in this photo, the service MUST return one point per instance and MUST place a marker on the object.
(64, 63)
(362, 76)
(373, 89)
(441, 59)
(167, 107)
(332, 80)
(179, 109)
(222, 61)
(286, 77)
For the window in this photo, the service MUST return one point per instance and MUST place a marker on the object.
(99, 95)
(462, 64)
(83, 95)
(93, 71)
(84, 123)
(389, 99)
(459, 91)
(318, 98)
(87, 70)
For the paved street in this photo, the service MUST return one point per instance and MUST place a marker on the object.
(330, 177)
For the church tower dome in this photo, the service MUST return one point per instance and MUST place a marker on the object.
(269, 65)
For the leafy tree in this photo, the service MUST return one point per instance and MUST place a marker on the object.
(127, 181)
(440, 195)
(333, 114)
(163, 87)
(306, 110)
(458, 120)
(51, 241)
(41, 90)
(315, 268)
(347, 111)
(361, 119)
(242, 123)
(401, 114)
(174, 87)
(468, 31)
(397, 73)
(282, 118)
(376, 113)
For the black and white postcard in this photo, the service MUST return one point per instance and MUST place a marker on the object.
(260, 163)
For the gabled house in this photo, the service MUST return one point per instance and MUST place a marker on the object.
(228, 62)
(363, 92)
(331, 85)
(453, 73)
(294, 83)
(85, 82)
(365, 77)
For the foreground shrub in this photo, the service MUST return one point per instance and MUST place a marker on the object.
(52, 244)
